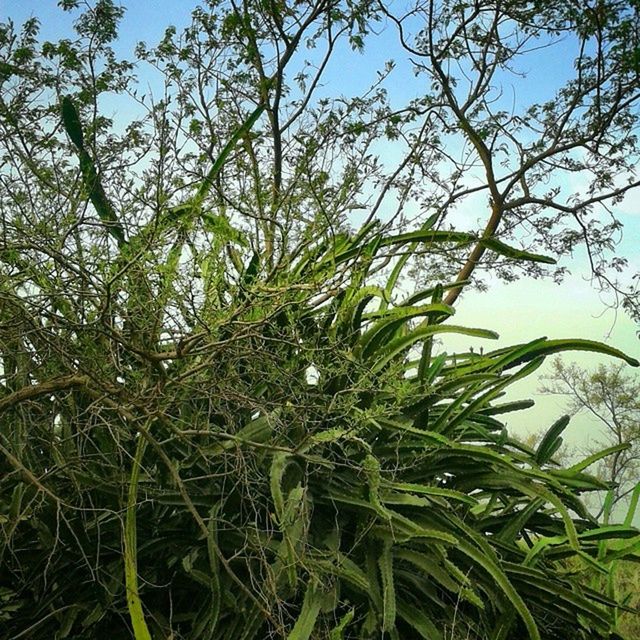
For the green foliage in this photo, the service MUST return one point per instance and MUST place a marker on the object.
(92, 183)
(220, 417)
(370, 500)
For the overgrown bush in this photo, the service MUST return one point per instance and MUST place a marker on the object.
(305, 463)
(220, 417)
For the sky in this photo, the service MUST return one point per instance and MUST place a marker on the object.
(518, 311)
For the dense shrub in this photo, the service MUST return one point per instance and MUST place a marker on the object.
(304, 461)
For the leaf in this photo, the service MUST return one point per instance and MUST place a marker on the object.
(419, 621)
(349, 315)
(385, 564)
(558, 593)
(610, 532)
(497, 246)
(400, 345)
(220, 161)
(419, 236)
(402, 261)
(337, 633)
(518, 520)
(216, 591)
(547, 347)
(293, 525)
(306, 621)
(169, 270)
(344, 568)
(251, 271)
(261, 428)
(223, 230)
(427, 235)
(633, 505)
(428, 293)
(435, 367)
(71, 122)
(576, 480)
(428, 437)
(90, 175)
(434, 566)
(382, 330)
(99, 199)
(449, 419)
(364, 231)
(494, 361)
(140, 629)
(371, 466)
(278, 466)
(440, 492)
(551, 440)
(592, 459)
(507, 407)
(248, 625)
(537, 489)
(493, 569)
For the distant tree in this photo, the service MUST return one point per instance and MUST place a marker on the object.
(611, 395)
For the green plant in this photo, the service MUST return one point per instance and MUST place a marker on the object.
(381, 496)
(627, 586)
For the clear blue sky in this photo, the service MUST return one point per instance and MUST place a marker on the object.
(520, 311)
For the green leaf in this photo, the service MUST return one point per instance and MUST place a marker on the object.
(214, 568)
(451, 419)
(385, 563)
(428, 293)
(350, 312)
(425, 236)
(610, 532)
(419, 236)
(140, 629)
(422, 624)
(633, 505)
(402, 261)
(400, 345)
(90, 175)
(394, 318)
(259, 429)
(435, 367)
(433, 565)
(518, 520)
(220, 161)
(428, 438)
(596, 457)
(551, 440)
(71, 122)
(499, 247)
(426, 490)
(491, 566)
(278, 466)
(344, 568)
(558, 593)
(547, 347)
(337, 633)
(507, 407)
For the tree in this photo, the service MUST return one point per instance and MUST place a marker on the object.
(220, 416)
(468, 52)
(462, 142)
(612, 396)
